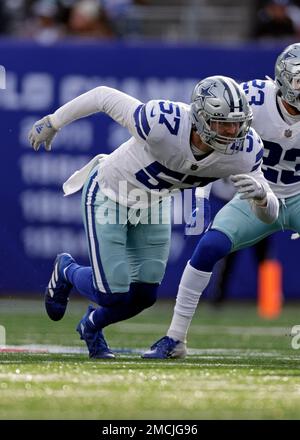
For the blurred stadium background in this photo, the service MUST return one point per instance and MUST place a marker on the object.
(52, 51)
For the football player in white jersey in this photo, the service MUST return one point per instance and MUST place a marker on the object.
(173, 146)
(276, 117)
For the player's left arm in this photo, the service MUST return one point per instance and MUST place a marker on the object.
(116, 104)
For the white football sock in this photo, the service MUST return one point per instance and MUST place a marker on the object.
(191, 286)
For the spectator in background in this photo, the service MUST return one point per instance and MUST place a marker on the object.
(118, 11)
(44, 25)
(88, 19)
(3, 19)
(13, 15)
(294, 13)
(39, 20)
(48, 21)
(273, 20)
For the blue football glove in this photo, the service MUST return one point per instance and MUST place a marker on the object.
(200, 218)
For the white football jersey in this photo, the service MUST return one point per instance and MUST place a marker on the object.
(281, 160)
(158, 157)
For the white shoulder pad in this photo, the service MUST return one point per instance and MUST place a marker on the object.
(156, 118)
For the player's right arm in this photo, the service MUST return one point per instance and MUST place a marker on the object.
(124, 109)
(253, 186)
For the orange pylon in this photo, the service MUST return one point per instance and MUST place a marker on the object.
(269, 289)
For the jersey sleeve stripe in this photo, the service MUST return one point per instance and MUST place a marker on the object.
(259, 155)
(256, 166)
(258, 159)
(146, 126)
(136, 116)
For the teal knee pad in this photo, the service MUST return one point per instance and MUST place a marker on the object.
(118, 277)
(151, 272)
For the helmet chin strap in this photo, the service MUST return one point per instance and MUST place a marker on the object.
(196, 151)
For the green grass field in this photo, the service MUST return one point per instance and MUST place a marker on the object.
(239, 367)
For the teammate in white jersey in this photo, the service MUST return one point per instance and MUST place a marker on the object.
(173, 146)
(276, 117)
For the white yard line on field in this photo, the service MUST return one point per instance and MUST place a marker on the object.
(211, 329)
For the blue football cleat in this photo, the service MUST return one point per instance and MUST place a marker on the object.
(166, 348)
(94, 339)
(58, 289)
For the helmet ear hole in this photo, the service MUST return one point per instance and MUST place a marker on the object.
(220, 99)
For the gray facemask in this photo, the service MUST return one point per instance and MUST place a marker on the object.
(217, 101)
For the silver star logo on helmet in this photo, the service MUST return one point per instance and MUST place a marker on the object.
(205, 92)
(288, 55)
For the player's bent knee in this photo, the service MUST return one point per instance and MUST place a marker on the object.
(114, 299)
(152, 272)
(119, 280)
(213, 246)
(145, 294)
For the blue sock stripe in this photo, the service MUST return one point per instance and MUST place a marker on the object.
(93, 243)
